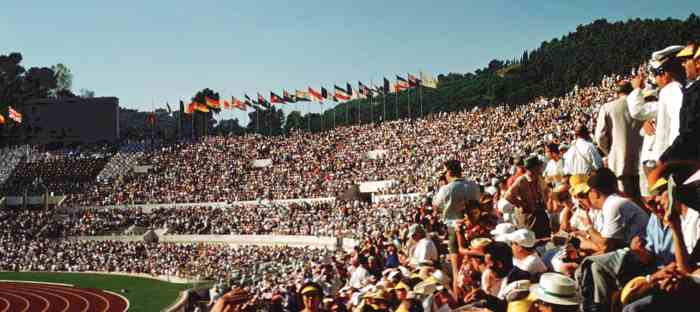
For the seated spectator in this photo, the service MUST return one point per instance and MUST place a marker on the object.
(622, 218)
(524, 255)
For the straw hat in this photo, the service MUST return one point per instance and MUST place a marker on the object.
(556, 288)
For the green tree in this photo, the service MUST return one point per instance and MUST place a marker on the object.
(64, 79)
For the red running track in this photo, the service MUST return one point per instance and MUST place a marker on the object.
(38, 297)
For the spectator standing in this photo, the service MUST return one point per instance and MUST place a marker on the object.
(529, 193)
(617, 134)
(582, 157)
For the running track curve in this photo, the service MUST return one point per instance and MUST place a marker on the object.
(39, 297)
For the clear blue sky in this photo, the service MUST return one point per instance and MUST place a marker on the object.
(158, 51)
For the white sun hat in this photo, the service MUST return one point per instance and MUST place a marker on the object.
(556, 288)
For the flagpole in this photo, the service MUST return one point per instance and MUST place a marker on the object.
(397, 104)
(371, 102)
(420, 97)
(308, 118)
(408, 98)
(384, 100)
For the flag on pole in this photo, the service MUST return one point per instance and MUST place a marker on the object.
(239, 104)
(15, 115)
(351, 94)
(363, 90)
(262, 101)
(289, 98)
(190, 108)
(212, 102)
(227, 104)
(341, 94)
(324, 93)
(401, 84)
(302, 96)
(428, 81)
(274, 98)
(413, 81)
(151, 119)
(202, 107)
(387, 86)
(318, 96)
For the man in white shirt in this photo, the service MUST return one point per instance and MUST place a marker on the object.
(663, 116)
(524, 256)
(622, 218)
(582, 157)
(425, 249)
(554, 171)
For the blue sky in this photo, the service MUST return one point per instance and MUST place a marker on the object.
(158, 51)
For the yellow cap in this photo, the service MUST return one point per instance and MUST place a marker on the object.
(578, 179)
(686, 52)
(402, 285)
(636, 288)
(579, 189)
(308, 289)
(661, 182)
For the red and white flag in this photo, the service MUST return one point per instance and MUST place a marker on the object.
(15, 115)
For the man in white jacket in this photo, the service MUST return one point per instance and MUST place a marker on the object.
(663, 116)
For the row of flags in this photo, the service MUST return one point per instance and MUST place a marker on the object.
(340, 94)
(13, 114)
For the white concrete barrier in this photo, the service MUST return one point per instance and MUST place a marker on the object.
(376, 186)
(235, 240)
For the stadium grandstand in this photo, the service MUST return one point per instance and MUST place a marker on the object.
(588, 201)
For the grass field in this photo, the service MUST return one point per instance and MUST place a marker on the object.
(145, 295)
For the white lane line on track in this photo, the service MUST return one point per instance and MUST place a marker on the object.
(67, 291)
(47, 304)
(24, 300)
(7, 304)
(128, 304)
(38, 290)
(94, 294)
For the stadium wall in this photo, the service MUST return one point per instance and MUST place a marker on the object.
(238, 240)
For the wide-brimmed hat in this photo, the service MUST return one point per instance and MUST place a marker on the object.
(477, 245)
(522, 237)
(659, 58)
(556, 288)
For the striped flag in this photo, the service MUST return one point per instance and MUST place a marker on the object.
(363, 90)
(262, 101)
(214, 103)
(239, 104)
(413, 81)
(289, 98)
(302, 96)
(227, 104)
(351, 93)
(274, 98)
(315, 95)
(341, 94)
(15, 115)
(201, 107)
(401, 84)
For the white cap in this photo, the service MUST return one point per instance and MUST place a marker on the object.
(658, 58)
(505, 206)
(522, 237)
(503, 228)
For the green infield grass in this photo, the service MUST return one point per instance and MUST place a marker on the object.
(144, 295)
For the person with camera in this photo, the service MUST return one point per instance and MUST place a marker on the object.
(685, 146)
(662, 118)
(529, 193)
(453, 200)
